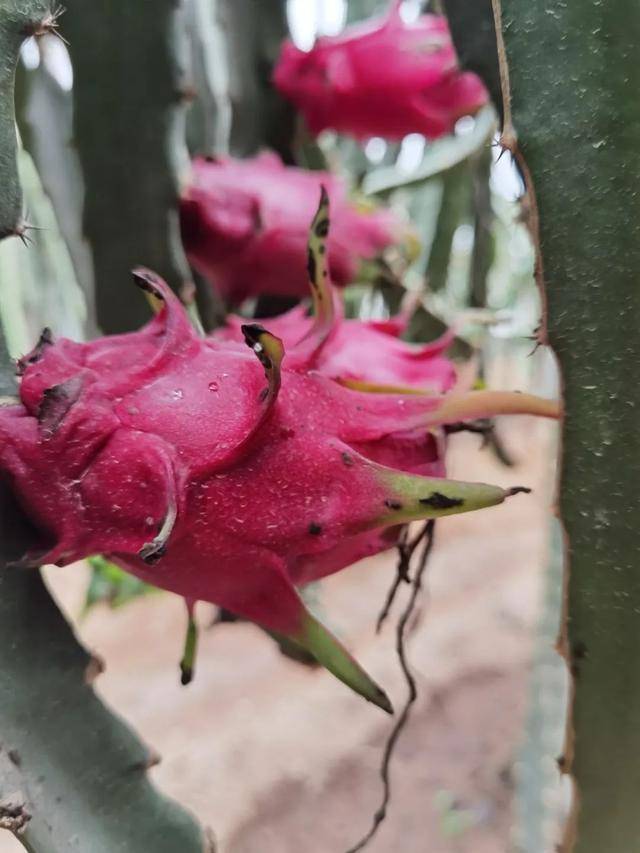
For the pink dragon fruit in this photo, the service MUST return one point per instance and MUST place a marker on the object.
(244, 226)
(381, 78)
(362, 353)
(221, 476)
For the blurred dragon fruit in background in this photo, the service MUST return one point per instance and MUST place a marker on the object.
(363, 353)
(225, 473)
(381, 78)
(245, 224)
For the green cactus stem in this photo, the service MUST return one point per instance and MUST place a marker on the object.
(570, 74)
(44, 113)
(130, 100)
(261, 117)
(209, 118)
(474, 37)
(77, 771)
(18, 21)
(454, 210)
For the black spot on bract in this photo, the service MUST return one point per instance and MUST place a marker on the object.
(347, 458)
(322, 228)
(439, 501)
(315, 529)
(312, 268)
(391, 504)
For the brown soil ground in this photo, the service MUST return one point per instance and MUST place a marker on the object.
(280, 759)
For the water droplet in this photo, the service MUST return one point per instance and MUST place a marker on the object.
(177, 394)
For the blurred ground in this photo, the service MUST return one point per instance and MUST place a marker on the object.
(279, 759)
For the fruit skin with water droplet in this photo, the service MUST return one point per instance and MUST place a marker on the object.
(381, 78)
(245, 222)
(119, 446)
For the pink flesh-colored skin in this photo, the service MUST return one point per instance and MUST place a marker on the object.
(363, 351)
(342, 84)
(245, 226)
(161, 414)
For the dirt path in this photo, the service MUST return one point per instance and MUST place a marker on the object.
(279, 759)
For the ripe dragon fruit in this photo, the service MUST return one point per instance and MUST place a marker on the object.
(381, 78)
(245, 222)
(362, 353)
(222, 473)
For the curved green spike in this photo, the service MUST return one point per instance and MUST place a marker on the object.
(411, 497)
(188, 660)
(321, 287)
(270, 351)
(318, 263)
(330, 652)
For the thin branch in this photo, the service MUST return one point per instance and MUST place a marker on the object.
(426, 535)
(406, 550)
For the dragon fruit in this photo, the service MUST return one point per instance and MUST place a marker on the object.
(225, 473)
(381, 78)
(363, 353)
(244, 226)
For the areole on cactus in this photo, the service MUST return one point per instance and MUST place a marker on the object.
(230, 474)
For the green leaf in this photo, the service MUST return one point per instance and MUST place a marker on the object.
(111, 585)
